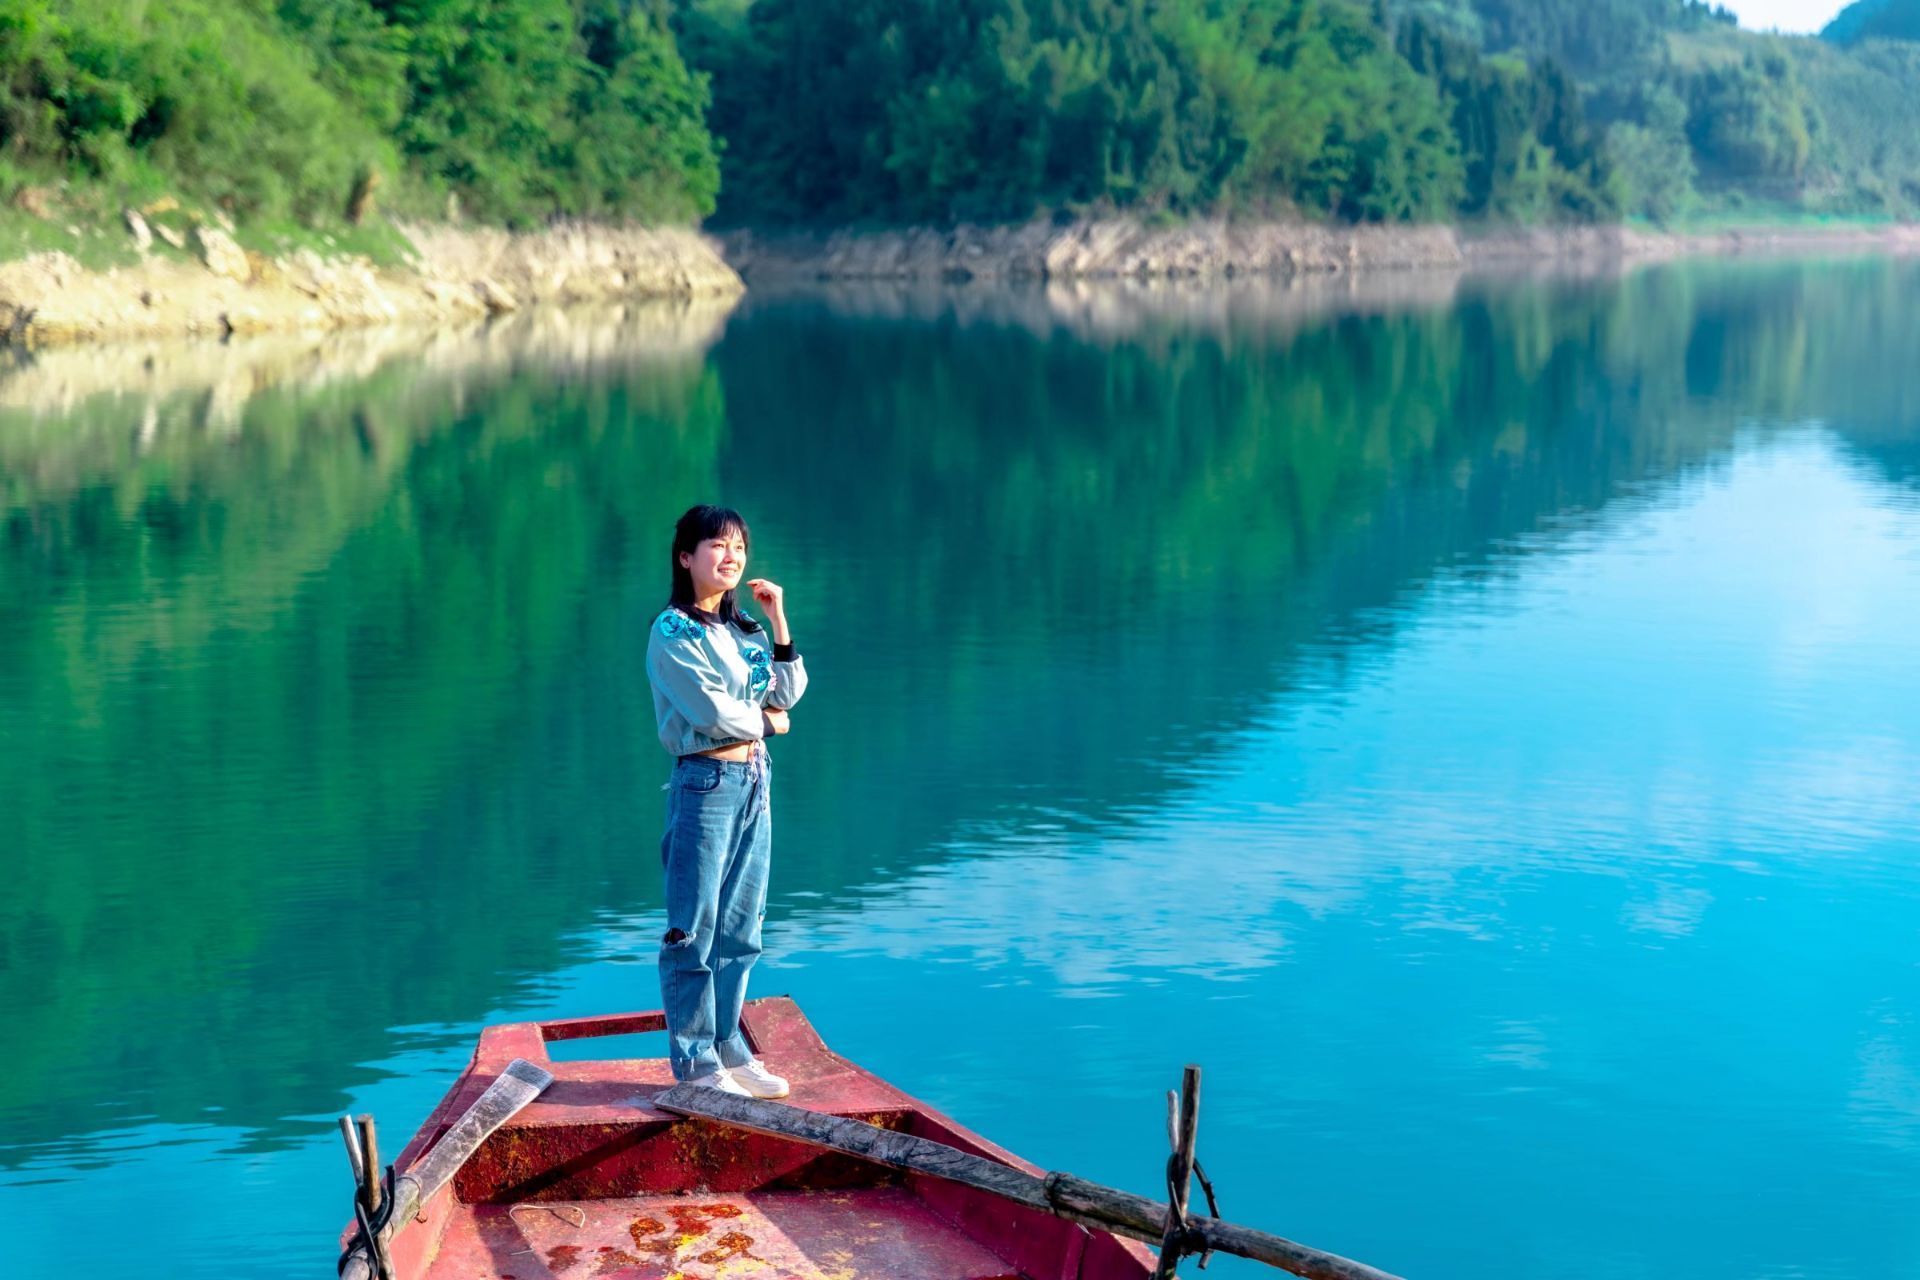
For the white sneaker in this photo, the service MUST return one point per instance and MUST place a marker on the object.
(755, 1080)
(723, 1081)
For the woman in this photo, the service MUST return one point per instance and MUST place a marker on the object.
(720, 689)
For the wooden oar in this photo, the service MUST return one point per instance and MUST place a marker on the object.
(1060, 1194)
(515, 1087)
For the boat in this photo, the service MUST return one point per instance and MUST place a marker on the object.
(606, 1169)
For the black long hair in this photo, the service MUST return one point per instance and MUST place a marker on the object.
(695, 527)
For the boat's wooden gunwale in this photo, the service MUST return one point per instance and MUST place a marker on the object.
(596, 1132)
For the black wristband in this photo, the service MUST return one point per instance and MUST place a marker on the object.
(784, 653)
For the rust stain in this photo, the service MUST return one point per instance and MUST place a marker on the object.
(695, 1220)
(563, 1257)
(618, 1262)
(690, 1222)
(734, 1244)
(644, 1227)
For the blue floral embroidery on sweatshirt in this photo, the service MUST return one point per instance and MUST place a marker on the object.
(759, 668)
(674, 624)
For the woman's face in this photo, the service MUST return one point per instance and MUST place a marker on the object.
(717, 563)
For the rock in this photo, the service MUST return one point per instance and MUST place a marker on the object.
(360, 200)
(37, 201)
(1111, 248)
(263, 270)
(451, 298)
(243, 320)
(222, 256)
(165, 204)
(494, 296)
(455, 278)
(137, 227)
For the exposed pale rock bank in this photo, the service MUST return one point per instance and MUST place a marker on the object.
(455, 274)
(1126, 249)
(206, 284)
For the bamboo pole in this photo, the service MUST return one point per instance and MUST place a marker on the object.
(1061, 1194)
(369, 1166)
(351, 1137)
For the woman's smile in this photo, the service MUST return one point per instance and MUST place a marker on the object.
(718, 563)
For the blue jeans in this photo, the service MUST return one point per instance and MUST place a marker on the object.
(715, 852)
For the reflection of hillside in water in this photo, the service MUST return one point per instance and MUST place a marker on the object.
(1158, 526)
(262, 671)
(364, 658)
(1114, 309)
(80, 389)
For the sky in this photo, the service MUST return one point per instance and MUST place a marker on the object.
(1786, 15)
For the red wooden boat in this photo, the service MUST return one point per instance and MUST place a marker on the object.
(584, 1172)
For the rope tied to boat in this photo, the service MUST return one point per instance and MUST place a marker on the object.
(1189, 1238)
(370, 1237)
(373, 1200)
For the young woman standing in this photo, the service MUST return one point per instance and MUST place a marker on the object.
(721, 687)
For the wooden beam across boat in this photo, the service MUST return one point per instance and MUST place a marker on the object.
(1061, 1194)
(515, 1087)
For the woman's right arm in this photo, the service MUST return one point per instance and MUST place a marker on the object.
(680, 670)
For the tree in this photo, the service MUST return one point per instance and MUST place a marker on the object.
(1752, 120)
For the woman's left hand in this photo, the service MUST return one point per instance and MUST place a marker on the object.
(771, 595)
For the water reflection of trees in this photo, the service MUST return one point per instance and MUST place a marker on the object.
(1097, 550)
(344, 689)
(269, 693)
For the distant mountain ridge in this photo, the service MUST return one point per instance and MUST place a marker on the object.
(1874, 19)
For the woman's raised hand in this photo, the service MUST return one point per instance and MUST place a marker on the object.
(772, 598)
(771, 595)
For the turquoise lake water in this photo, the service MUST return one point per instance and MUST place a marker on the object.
(1476, 721)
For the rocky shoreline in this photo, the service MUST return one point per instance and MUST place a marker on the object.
(207, 285)
(1131, 250)
(210, 286)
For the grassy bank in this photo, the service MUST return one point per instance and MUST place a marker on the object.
(92, 229)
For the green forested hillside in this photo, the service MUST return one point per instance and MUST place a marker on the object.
(889, 109)
(1701, 116)
(1521, 110)
(835, 111)
(519, 108)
